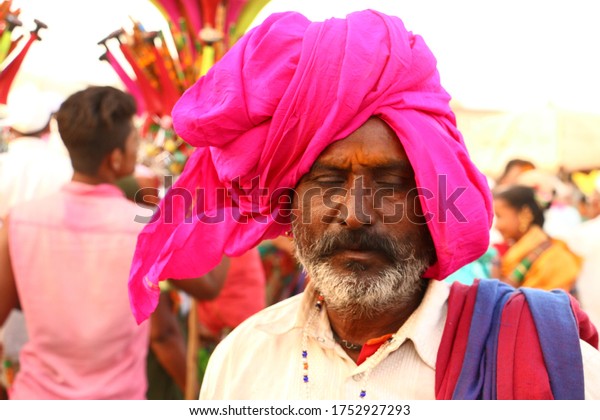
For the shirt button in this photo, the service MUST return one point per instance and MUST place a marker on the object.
(358, 376)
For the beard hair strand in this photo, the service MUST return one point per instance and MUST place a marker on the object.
(357, 294)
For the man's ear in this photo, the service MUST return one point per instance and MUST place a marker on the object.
(116, 159)
(525, 216)
(526, 211)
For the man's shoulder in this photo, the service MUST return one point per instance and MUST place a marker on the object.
(275, 319)
(269, 335)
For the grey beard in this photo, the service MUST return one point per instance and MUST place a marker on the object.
(357, 294)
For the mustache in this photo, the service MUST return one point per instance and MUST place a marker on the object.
(359, 240)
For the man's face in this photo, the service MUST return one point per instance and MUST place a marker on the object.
(358, 223)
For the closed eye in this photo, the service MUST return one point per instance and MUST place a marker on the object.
(330, 180)
(398, 175)
(394, 181)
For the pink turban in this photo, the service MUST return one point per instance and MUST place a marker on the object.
(264, 113)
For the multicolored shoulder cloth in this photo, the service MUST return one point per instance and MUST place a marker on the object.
(505, 343)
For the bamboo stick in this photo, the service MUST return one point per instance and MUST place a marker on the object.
(193, 341)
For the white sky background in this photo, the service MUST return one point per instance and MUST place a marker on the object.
(494, 54)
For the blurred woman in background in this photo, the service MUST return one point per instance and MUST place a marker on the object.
(532, 258)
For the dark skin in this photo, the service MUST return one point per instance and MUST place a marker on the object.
(374, 154)
(208, 286)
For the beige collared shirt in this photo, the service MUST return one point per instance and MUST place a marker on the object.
(262, 358)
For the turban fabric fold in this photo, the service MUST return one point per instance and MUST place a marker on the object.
(264, 113)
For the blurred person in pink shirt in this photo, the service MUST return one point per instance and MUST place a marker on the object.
(65, 260)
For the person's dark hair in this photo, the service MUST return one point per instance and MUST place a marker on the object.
(515, 163)
(94, 122)
(519, 197)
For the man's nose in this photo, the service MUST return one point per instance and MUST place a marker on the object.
(359, 205)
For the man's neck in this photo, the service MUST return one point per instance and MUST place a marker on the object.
(92, 179)
(357, 329)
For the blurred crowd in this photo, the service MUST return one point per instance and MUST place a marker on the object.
(545, 233)
(71, 187)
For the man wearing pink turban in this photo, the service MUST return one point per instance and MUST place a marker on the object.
(340, 134)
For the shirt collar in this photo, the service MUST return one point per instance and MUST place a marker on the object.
(426, 324)
(424, 327)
